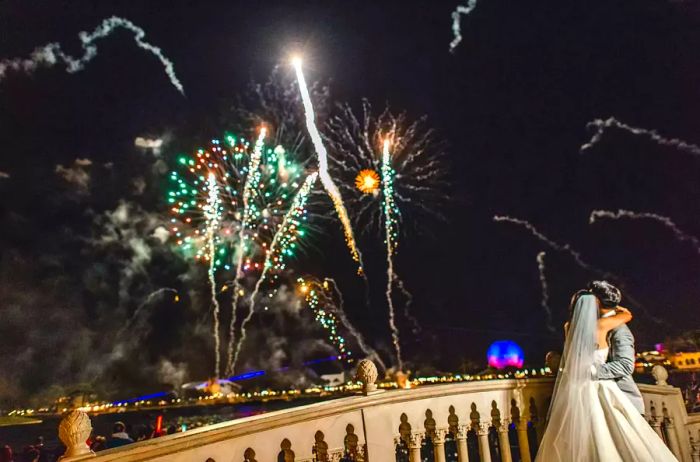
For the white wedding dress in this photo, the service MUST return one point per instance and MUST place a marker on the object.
(592, 420)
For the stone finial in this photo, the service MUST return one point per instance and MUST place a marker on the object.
(660, 375)
(74, 430)
(552, 360)
(367, 374)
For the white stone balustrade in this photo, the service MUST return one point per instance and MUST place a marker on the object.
(461, 416)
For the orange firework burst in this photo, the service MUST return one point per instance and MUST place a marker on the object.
(367, 181)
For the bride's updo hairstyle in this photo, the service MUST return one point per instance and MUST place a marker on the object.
(609, 295)
(575, 297)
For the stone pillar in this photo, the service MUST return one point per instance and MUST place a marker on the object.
(503, 441)
(74, 431)
(482, 432)
(673, 443)
(439, 445)
(523, 442)
(695, 450)
(655, 423)
(462, 449)
(415, 441)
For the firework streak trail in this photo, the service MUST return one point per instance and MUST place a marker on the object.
(456, 22)
(566, 248)
(288, 228)
(252, 182)
(599, 126)
(666, 221)
(340, 312)
(51, 54)
(326, 179)
(409, 301)
(213, 216)
(545, 290)
(389, 207)
(145, 303)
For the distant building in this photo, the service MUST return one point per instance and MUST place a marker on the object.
(334, 379)
(674, 361)
(686, 361)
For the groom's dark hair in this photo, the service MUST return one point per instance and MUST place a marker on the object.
(609, 295)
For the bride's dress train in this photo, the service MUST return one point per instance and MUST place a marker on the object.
(619, 431)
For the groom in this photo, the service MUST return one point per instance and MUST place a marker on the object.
(620, 363)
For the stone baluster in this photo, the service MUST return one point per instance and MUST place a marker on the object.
(504, 441)
(415, 442)
(462, 449)
(673, 442)
(286, 453)
(523, 442)
(249, 455)
(536, 421)
(320, 448)
(695, 450)
(74, 430)
(655, 421)
(482, 432)
(439, 444)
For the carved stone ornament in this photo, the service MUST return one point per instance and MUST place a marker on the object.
(74, 430)
(367, 374)
(660, 375)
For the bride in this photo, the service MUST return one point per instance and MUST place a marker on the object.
(592, 420)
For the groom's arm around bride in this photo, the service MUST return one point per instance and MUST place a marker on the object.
(620, 365)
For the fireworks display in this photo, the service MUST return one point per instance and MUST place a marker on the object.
(250, 212)
(228, 204)
(598, 126)
(412, 178)
(665, 221)
(390, 239)
(457, 22)
(52, 53)
(277, 180)
(367, 181)
(276, 102)
(139, 250)
(319, 298)
(326, 179)
(356, 154)
(281, 249)
(339, 310)
(212, 214)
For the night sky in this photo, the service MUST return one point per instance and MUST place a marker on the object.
(511, 105)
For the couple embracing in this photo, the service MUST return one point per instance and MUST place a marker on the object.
(597, 411)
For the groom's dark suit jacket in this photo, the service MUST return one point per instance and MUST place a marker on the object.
(620, 364)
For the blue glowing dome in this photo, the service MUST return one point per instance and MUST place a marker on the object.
(505, 353)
